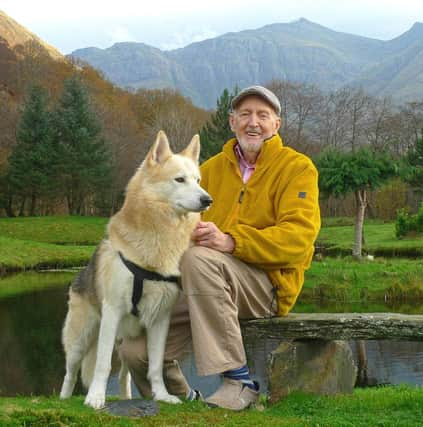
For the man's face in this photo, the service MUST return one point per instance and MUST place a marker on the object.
(253, 121)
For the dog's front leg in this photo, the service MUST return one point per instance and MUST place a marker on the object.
(124, 381)
(156, 342)
(110, 319)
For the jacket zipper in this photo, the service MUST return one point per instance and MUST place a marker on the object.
(241, 194)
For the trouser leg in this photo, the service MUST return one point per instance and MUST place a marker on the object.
(220, 289)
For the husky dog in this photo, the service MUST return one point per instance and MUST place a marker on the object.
(151, 231)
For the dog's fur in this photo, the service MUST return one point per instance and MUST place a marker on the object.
(152, 230)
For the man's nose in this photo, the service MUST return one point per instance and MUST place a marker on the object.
(253, 120)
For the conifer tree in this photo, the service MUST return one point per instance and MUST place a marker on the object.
(342, 173)
(414, 160)
(217, 131)
(30, 173)
(84, 166)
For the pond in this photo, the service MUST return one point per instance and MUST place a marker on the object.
(32, 360)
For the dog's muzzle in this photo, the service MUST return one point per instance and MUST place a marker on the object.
(205, 201)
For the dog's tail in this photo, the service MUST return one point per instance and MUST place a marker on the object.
(88, 365)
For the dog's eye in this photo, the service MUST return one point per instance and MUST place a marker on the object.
(198, 180)
(180, 179)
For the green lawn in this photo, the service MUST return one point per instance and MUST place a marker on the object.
(48, 242)
(346, 279)
(17, 254)
(400, 406)
(63, 241)
(67, 230)
(32, 281)
(379, 239)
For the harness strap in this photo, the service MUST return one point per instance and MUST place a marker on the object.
(141, 274)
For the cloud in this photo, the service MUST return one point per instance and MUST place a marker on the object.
(181, 39)
(119, 34)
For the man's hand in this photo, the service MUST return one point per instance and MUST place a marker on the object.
(207, 234)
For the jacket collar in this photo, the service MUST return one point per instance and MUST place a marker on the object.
(269, 150)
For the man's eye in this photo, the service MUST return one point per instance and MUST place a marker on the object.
(180, 179)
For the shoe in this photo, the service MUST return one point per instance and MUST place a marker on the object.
(234, 395)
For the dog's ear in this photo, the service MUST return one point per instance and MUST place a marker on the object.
(193, 149)
(160, 151)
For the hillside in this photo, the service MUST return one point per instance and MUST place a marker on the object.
(300, 51)
(14, 34)
(129, 122)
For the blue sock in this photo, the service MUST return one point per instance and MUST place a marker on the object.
(241, 374)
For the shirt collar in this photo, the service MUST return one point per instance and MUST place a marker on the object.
(242, 160)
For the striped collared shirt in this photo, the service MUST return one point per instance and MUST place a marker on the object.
(246, 168)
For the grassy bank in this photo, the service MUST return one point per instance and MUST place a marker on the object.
(385, 406)
(345, 279)
(65, 241)
(48, 242)
(17, 254)
(60, 230)
(337, 236)
(16, 284)
(329, 282)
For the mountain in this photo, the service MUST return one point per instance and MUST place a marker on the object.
(400, 71)
(13, 34)
(300, 51)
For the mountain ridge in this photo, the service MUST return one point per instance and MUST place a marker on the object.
(301, 51)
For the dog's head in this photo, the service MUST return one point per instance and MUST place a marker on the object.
(171, 178)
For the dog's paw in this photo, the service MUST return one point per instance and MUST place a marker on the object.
(168, 398)
(95, 400)
(64, 395)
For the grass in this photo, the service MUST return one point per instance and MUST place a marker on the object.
(16, 254)
(384, 406)
(61, 230)
(345, 279)
(66, 241)
(379, 239)
(16, 284)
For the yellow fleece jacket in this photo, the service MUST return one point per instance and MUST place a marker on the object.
(274, 218)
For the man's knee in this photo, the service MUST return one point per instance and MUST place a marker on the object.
(200, 267)
(196, 254)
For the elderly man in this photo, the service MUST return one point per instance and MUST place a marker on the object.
(249, 255)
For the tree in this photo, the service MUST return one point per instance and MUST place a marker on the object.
(30, 164)
(341, 173)
(300, 104)
(415, 162)
(217, 131)
(83, 167)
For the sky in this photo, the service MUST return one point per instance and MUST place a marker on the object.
(171, 24)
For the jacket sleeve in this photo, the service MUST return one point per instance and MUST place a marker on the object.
(288, 243)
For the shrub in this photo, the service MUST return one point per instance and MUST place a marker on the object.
(406, 223)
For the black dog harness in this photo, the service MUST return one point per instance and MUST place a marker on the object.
(141, 274)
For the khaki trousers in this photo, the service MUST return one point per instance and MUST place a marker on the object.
(218, 290)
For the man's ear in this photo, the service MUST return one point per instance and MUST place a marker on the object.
(231, 120)
(278, 124)
(193, 149)
(160, 151)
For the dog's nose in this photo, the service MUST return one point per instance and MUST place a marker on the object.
(206, 201)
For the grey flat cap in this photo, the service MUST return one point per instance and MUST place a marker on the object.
(261, 92)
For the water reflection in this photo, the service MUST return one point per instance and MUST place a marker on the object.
(31, 356)
(32, 360)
